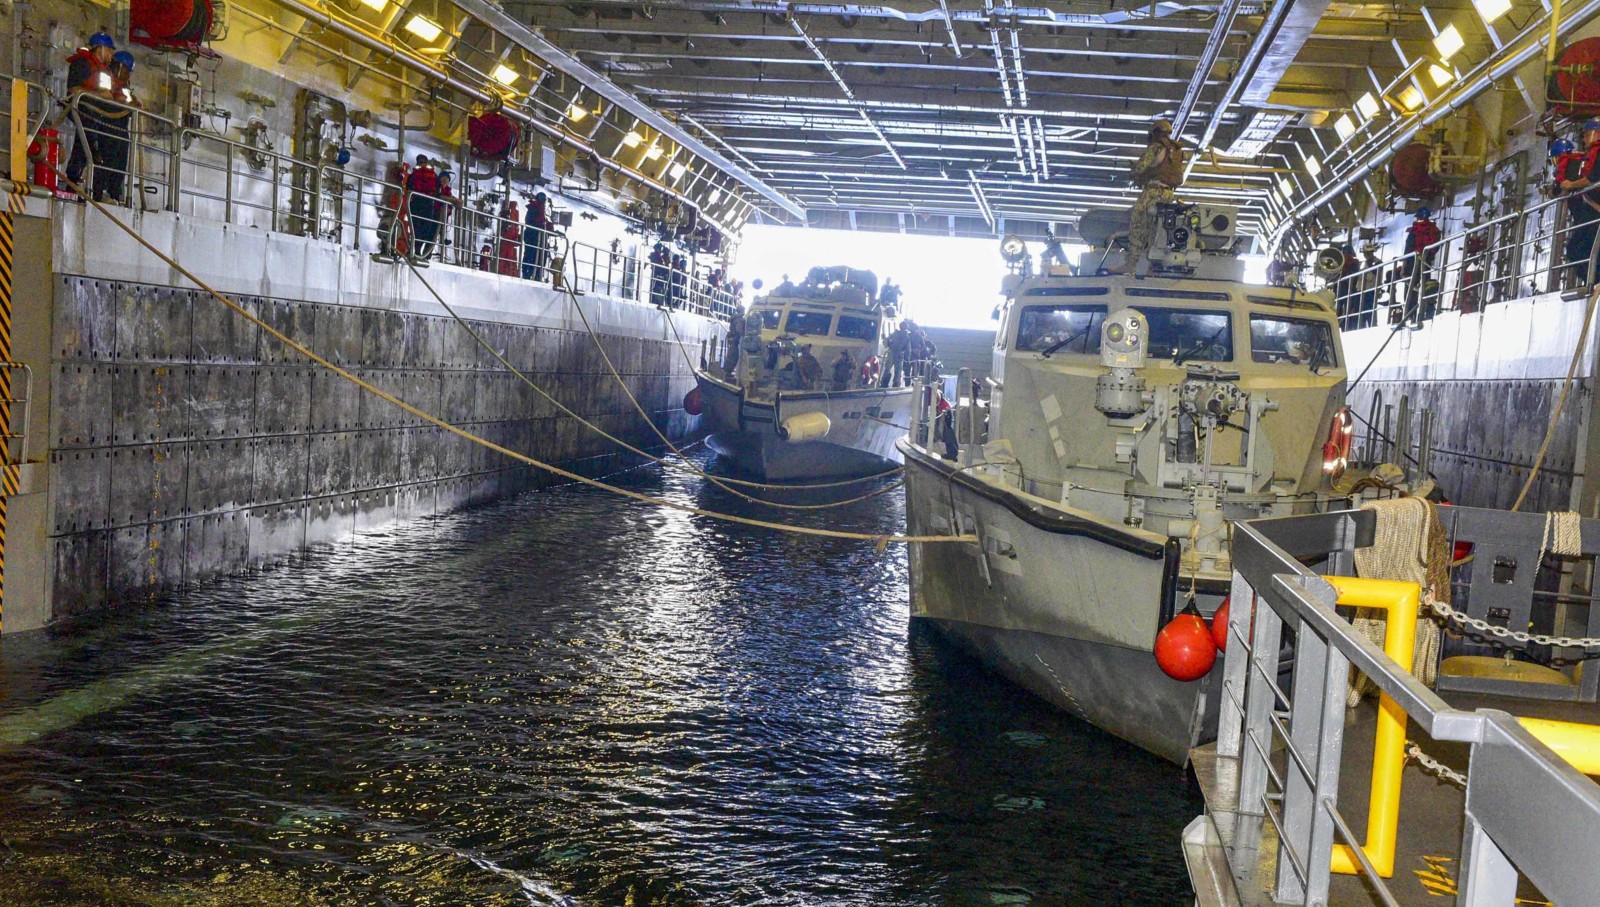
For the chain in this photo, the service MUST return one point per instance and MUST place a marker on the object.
(1483, 626)
(1433, 766)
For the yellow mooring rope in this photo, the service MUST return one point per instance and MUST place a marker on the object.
(687, 464)
(880, 540)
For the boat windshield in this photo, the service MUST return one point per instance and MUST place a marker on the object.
(854, 327)
(769, 318)
(1070, 328)
(809, 322)
(1293, 341)
(1189, 335)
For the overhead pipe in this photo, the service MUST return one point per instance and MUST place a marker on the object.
(327, 21)
(1270, 27)
(1032, 15)
(850, 95)
(1527, 45)
(1220, 29)
(518, 32)
(950, 26)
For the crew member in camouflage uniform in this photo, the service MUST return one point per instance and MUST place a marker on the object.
(1159, 171)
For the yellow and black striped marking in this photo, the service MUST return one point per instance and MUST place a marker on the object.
(14, 200)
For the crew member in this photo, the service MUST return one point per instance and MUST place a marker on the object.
(844, 371)
(678, 282)
(888, 294)
(1583, 209)
(535, 238)
(660, 261)
(898, 343)
(1159, 172)
(424, 207)
(809, 369)
(448, 203)
(1419, 254)
(730, 353)
(118, 123)
(88, 78)
(510, 239)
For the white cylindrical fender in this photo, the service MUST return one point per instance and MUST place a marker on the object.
(804, 427)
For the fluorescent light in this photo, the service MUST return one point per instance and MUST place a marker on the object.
(1410, 98)
(1367, 106)
(423, 27)
(676, 171)
(505, 75)
(1440, 76)
(653, 152)
(1285, 187)
(632, 139)
(715, 195)
(375, 4)
(1448, 42)
(576, 113)
(1491, 10)
(1313, 166)
(1345, 126)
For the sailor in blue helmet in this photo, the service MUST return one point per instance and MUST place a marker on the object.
(660, 280)
(536, 238)
(1420, 248)
(1583, 208)
(89, 81)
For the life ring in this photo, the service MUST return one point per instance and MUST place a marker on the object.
(869, 371)
(1336, 451)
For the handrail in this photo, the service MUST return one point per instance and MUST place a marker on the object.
(1527, 810)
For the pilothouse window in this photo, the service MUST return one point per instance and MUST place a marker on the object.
(1066, 328)
(769, 318)
(852, 327)
(1189, 335)
(809, 322)
(1293, 341)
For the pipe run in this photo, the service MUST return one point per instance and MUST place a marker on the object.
(1527, 45)
(1220, 29)
(327, 21)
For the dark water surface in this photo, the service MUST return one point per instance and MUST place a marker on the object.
(562, 699)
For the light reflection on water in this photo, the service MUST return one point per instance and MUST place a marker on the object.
(562, 699)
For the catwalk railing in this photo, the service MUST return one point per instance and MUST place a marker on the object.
(1527, 812)
(153, 164)
(1538, 249)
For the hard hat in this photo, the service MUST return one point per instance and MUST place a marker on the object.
(101, 39)
(539, 195)
(1592, 124)
(1163, 125)
(1425, 213)
(123, 58)
(1562, 146)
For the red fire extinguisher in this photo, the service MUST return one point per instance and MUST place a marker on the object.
(45, 153)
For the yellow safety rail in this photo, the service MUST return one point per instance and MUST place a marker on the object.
(1578, 744)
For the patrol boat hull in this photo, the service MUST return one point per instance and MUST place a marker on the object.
(1062, 604)
(863, 426)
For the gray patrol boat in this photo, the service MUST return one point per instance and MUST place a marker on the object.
(1130, 421)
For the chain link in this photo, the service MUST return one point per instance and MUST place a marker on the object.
(1483, 626)
(1433, 766)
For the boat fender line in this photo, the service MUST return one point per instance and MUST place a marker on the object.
(805, 427)
(880, 541)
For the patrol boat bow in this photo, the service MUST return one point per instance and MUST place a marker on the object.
(771, 420)
(1130, 422)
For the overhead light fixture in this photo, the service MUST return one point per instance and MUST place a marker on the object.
(576, 113)
(1491, 10)
(1313, 166)
(1367, 106)
(1285, 187)
(424, 28)
(632, 139)
(1345, 126)
(676, 171)
(377, 5)
(1440, 76)
(653, 152)
(716, 194)
(1410, 99)
(505, 75)
(1448, 43)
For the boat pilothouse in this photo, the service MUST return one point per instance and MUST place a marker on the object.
(804, 389)
(1130, 422)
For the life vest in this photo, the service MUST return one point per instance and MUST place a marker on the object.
(424, 179)
(99, 76)
(1170, 170)
(1421, 234)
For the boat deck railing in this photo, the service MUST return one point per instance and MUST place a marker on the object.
(245, 182)
(1520, 254)
(1529, 815)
